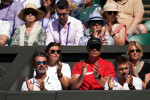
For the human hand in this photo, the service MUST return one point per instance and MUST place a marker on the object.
(111, 83)
(30, 85)
(41, 85)
(95, 70)
(59, 67)
(95, 33)
(133, 69)
(84, 69)
(129, 80)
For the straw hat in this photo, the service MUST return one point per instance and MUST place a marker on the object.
(39, 16)
(110, 7)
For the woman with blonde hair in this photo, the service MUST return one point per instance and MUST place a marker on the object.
(138, 67)
(31, 33)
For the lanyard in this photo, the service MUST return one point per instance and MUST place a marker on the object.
(23, 1)
(67, 34)
(7, 12)
(47, 23)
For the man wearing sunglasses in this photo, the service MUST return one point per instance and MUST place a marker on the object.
(41, 81)
(131, 14)
(92, 73)
(65, 30)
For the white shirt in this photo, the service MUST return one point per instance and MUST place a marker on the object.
(56, 33)
(25, 2)
(49, 84)
(136, 82)
(5, 28)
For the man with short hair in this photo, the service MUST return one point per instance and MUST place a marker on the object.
(65, 30)
(41, 81)
(123, 81)
(4, 32)
(92, 73)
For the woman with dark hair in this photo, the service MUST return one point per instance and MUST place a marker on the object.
(48, 7)
(57, 70)
(116, 30)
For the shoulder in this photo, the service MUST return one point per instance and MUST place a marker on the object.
(72, 19)
(104, 61)
(136, 79)
(17, 3)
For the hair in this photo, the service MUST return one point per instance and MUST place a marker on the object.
(120, 60)
(62, 4)
(39, 54)
(50, 45)
(52, 8)
(104, 17)
(137, 44)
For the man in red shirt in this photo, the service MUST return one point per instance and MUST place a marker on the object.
(92, 73)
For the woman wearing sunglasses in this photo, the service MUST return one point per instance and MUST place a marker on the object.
(113, 28)
(57, 71)
(31, 33)
(97, 30)
(138, 67)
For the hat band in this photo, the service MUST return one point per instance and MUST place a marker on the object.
(95, 17)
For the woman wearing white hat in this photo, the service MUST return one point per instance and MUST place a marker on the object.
(31, 33)
(113, 28)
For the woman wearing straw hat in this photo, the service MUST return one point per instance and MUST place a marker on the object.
(113, 28)
(31, 33)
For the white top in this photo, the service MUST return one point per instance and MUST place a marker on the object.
(4, 28)
(57, 33)
(36, 2)
(136, 82)
(49, 84)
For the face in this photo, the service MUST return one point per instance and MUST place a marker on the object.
(40, 64)
(123, 70)
(94, 50)
(30, 15)
(5, 2)
(54, 53)
(47, 3)
(96, 25)
(134, 53)
(111, 15)
(62, 15)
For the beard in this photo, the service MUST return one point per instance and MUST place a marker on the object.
(41, 70)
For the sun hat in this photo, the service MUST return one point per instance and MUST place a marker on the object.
(110, 7)
(39, 16)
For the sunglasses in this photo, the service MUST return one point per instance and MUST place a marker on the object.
(97, 47)
(39, 62)
(94, 22)
(30, 12)
(53, 51)
(114, 12)
(137, 50)
(62, 14)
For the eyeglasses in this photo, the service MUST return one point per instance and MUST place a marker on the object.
(39, 62)
(53, 51)
(114, 12)
(137, 50)
(97, 47)
(30, 12)
(94, 22)
(61, 14)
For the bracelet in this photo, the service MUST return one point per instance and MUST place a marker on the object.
(132, 87)
(98, 77)
(60, 75)
(113, 35)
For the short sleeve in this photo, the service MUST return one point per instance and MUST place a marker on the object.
(109, 70)
(137, 83)
(76, 69)
(66, 70)
(5, 28)
(24, 87)
(106, 86)
(138, 6)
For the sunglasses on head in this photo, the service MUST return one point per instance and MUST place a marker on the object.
(114, 12)
(53, 51)
(39, 62)
(61, 14)
(94, 22)
(27, 12)
(137, 50)
(97, 47)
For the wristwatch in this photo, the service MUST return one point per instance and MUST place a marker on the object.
(60, 75)
(98, 77)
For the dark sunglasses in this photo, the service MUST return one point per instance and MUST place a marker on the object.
(39, 62)
(97, 47)
(53, 51)
(114, 12)
(137, 50)
(61, 14)
(30, 12)
(94, 22)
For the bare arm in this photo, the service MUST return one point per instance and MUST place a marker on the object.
(3, 39)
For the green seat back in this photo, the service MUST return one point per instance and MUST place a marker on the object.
(143, 39)
(147, 24)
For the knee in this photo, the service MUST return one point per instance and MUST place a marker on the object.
(142, 28)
